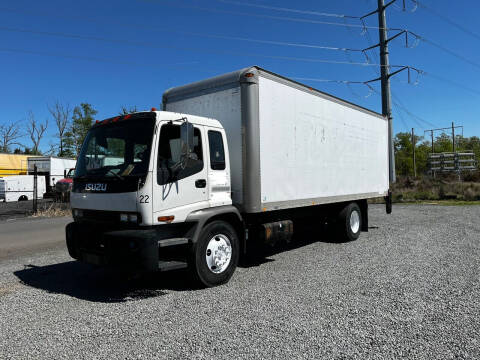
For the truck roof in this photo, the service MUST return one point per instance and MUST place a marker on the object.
(194, 119)
(209, 85)
(43, 158)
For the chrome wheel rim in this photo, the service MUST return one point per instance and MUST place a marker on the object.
(218, 253)
(354, 221)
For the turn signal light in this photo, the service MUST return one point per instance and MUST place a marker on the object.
(249, 75)
(167, 219)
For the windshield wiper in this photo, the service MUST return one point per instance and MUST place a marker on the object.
(109, 171)
(115, 174)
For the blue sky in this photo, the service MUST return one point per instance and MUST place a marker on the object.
(149, 46)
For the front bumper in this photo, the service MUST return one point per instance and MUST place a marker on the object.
(129, 249)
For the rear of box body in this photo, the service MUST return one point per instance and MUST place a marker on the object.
(290, 146)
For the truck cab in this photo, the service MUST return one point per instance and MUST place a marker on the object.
(64, 186)
(148, 183)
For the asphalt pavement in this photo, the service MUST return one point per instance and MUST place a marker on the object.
(408, 288)
(31, 235)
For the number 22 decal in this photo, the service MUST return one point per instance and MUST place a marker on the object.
(144, 199)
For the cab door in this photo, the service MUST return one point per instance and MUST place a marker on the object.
(178, 191)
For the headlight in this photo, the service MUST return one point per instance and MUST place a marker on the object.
(124, 217)
(133, 218)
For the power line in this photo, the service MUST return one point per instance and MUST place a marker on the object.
(201, 50)
(440, 78)
(447, 50)
(402, 119)
(296, 11)
(399, 104)
(210, 36)
(451, 82)
(447, 19)
(327, 80)
(272, 17)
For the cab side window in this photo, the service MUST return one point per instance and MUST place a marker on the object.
(169, 155)
(217, 152)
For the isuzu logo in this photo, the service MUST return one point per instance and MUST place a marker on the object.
(96, 187)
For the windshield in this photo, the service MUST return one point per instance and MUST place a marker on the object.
(116, 150)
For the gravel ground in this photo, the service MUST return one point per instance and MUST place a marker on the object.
(408, 288)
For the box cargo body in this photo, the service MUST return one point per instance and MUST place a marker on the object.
(53, 168)
(14, 164)
(17, 188)
(290, 146)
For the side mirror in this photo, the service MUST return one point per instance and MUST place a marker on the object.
(186, 140)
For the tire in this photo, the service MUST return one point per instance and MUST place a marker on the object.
(349, 225)
(217, 237)
(23, 198)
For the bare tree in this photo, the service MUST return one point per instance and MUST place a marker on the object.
(128, 110)
(61, 115)
(36, 131)
(9, 133)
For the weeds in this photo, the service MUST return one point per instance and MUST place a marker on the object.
(54, 209)
(408, 189)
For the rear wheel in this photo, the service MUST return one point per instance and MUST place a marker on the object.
(215, 255)
(23, 198)
(349, 223)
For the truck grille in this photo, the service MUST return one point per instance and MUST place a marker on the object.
(62, 187)
(101, 216)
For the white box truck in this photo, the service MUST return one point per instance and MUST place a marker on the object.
(52, 168)
(230, 162)
(20, 188)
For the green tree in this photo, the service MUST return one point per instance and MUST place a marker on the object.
(82, 120)
(443, 143)
(469, 144)
(404, 154)
(421, 156)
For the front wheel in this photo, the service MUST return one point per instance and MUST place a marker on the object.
(215, 255)
(349, 223)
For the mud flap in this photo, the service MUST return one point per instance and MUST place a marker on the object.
(388, 202)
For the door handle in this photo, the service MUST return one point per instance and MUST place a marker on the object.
(201, 183)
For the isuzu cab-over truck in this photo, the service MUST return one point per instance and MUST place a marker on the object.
(230, 162)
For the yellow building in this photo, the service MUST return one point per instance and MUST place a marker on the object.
(13, 164)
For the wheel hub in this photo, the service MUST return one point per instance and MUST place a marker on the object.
(219, 253)
(354, 221)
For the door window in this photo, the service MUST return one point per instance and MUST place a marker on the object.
(169, 168)
(217, 152)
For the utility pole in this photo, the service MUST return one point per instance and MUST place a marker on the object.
(414, 160)
(433, 144)
(443, 129)
(385, 79)
(453, 136)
